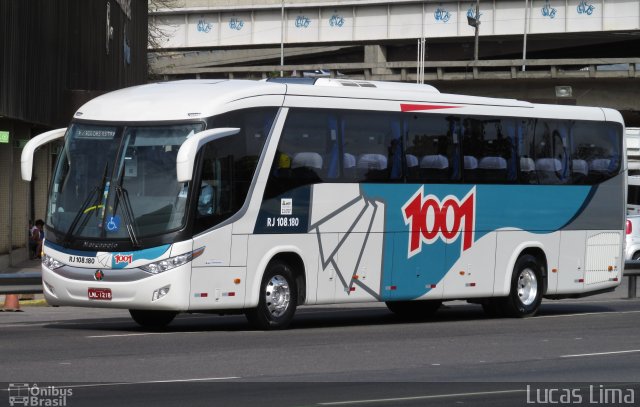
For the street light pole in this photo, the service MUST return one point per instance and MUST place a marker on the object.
(526, 28)
(474, 21)
(282, 39)
(475, 50)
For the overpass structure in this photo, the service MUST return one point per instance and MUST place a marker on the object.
(550, 51)
(219, 23)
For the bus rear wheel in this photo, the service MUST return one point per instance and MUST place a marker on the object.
(152, 319)
(527, 286)
(414, 309)
(278, 298)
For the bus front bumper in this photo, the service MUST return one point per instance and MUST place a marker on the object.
(88, 288)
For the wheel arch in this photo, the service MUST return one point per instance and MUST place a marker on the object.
(290, 255)
(535, 249)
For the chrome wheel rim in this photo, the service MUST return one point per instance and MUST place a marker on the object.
(527, 286)
(277, 296)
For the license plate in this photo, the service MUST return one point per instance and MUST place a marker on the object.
(100, 294)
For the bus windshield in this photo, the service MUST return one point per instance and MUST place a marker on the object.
(115, 182)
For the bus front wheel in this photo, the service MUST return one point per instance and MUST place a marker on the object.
(152, 319)
(278, 298)
(527, 287)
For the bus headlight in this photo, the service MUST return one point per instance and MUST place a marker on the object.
(51, 263)
(161, 266)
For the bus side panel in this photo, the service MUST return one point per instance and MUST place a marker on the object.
(424, 274)
(570, 273)
(217, 288)
(211, 275)
(326, 276)
(349, 230)
(360, 264)
(217, 247)
(472, 274)
(603, 259)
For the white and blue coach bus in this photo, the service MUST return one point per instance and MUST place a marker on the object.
(257, 197)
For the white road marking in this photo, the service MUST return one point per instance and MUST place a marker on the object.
(601, 353)
(582, 314)
(437, 396)
(144, 334)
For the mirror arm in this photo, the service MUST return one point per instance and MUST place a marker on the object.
(189, 149)
(26, 159)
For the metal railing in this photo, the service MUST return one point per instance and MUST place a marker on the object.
(632, 270)
(21, 283)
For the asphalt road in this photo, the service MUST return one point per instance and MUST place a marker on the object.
(332, 356)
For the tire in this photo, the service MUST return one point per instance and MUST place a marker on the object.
(636, 256)
(152, 319)
(415, 310)
(527, 286)
(278, 298)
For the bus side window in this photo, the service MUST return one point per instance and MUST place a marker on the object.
(595, 152)
(306, 154)
(206, 197)
(373, 141)
(551, 158)
(432, 149)
(487, 142)
(526, 152)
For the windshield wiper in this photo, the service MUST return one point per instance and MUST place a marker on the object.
(85, 206)
(123, 196)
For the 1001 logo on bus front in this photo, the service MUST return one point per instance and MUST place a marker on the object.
(430, 219)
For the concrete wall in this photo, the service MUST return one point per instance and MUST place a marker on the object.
(16, 202)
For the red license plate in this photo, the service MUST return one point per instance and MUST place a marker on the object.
(100, 294)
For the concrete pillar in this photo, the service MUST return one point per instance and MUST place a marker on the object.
(376, 54)
(6, 152)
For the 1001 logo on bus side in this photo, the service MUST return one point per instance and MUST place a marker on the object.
(430, 220)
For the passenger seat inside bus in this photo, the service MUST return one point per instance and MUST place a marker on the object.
(372, 166)
(470, 164)
(435, 167)
(306, 165)
(579, 171)
(599, 169)
(349, 165)
(492, 169)
(549, 170)
(528, 170)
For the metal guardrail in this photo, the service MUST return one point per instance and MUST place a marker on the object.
(31, 283)
(21, 283)
(632, 270)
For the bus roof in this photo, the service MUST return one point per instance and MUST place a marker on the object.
(193, 99)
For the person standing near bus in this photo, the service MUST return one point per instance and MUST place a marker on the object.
(37, 234)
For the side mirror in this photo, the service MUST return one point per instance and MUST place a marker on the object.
(189, 149)
(26, 159)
